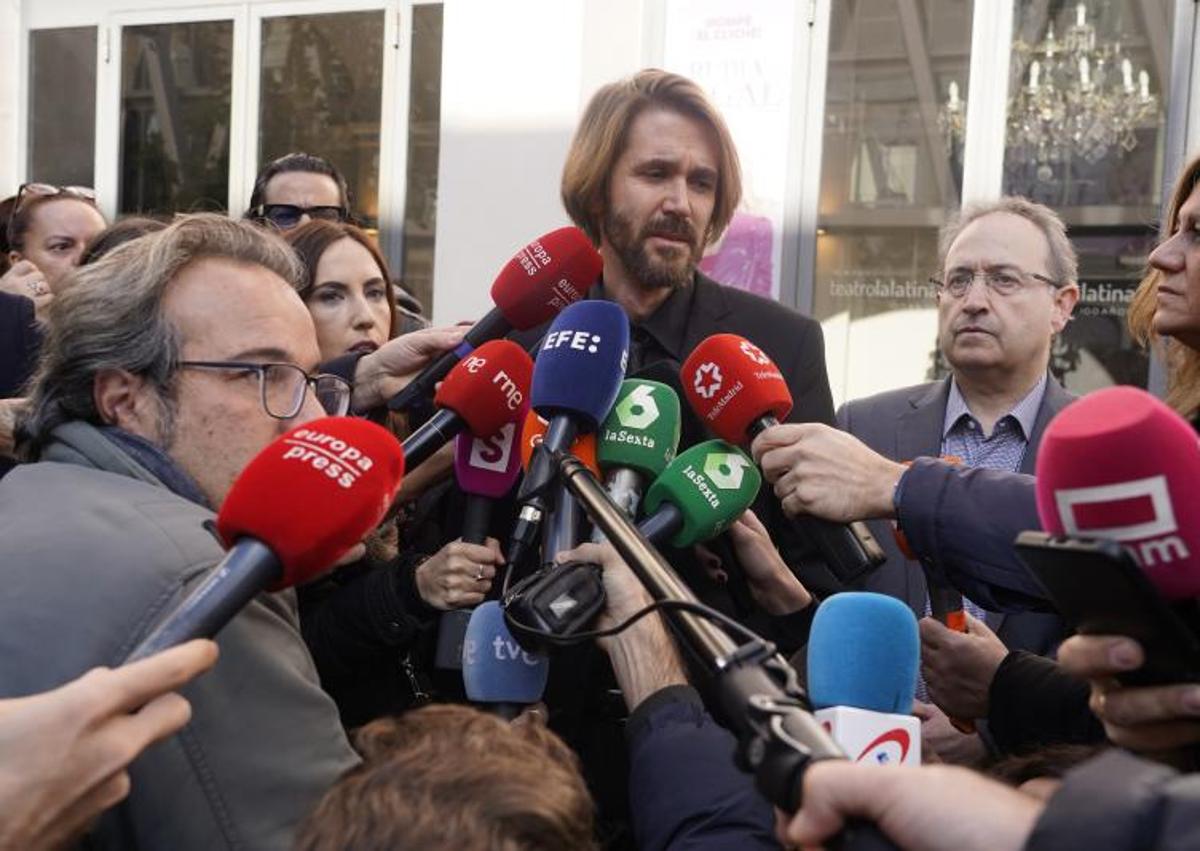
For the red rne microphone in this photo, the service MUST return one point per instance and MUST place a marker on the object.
(1120, 465)
(544, 277)
(738, 391)
(294, 510)
(482, 393)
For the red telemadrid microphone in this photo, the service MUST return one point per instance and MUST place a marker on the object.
(1119, 464)
(737, 391)
(544, 277)
(294, 510)
(483, 392)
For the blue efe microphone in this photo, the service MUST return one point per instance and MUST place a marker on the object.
(497, 671)
(576, 378)
(863, 654)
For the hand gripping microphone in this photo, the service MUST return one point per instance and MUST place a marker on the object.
(637, 440)
(497, 672)
(697, 497)
(485, 469)
(543, 278)
(755, 690)
(482, 393)
(576, 379)
(295, 509)
(1120, 465)
(738, 392)
(863, 652)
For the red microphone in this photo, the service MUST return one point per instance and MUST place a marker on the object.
(1119, 464)
(738, 392)
(295, 509)
(543, 278)
(482, 393)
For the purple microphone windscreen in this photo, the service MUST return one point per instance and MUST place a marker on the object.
(863, 652)
(581, 363)
(495, 667)
(488, 466)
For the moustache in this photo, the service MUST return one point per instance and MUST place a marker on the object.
(679, 228)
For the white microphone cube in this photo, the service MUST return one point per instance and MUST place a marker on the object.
(880, 738)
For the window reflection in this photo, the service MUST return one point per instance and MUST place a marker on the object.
(62, 130)
(890, 176)
(321, 92)
(175, 94)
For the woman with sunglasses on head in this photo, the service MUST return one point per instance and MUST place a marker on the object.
(367, 622)
(45, 231)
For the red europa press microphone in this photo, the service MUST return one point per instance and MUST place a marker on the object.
(539, 281)
(484, 392)
(1119, 464)
(737, 391)
(294, 510)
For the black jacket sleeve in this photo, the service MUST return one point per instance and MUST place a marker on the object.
(684, 789)
(1121, 803)
(1033, 702)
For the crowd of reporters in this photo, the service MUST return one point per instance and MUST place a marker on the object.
(145, 364)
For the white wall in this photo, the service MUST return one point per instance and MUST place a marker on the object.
(10, 75)
(515, 77)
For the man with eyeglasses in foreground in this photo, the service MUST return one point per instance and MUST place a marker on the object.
(174, 361)
(1007, 286)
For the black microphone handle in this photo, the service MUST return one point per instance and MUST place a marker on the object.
(662, 525)
(848, 549)
(247, 568)
(437, 431)
(477, 518)
(492, 326)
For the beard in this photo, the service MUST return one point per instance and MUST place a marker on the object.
(650, 269)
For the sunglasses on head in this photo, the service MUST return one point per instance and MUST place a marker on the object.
(48, 190)
(288, 215)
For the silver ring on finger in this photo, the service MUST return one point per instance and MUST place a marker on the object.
(479, 573)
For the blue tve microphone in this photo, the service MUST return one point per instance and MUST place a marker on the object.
(497, 671)
(863, 653)
(576, 378)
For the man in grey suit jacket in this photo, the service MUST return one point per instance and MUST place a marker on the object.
(1007, 286)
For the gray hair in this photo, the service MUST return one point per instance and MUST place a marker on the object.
(1064, 262)
(109, 316)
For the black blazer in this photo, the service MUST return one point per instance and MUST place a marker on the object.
(20, 341)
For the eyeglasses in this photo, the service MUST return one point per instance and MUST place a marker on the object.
(47, 190)
(287, 216)
(1003, 281)
(283, 386)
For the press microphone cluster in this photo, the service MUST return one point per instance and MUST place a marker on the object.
(539, 281)
(295, 509)
(738, 391)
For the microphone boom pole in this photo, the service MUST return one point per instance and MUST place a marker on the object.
(777, 736)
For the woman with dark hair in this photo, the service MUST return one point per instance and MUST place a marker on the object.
(45, 230)
(297, 188)
(365, 622)
(119, 233)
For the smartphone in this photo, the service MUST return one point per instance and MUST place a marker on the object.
(1099, 589)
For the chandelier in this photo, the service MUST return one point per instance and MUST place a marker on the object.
(1078, 99)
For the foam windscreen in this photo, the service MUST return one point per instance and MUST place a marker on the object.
(711, 484)
(730, 383)
(488, 466)
(1119, 464)
(581, 363)
(495, 667)
(583, 448)
(863, 652)
(313, 493)
(545, 276)
(641, 432)
(489, 387)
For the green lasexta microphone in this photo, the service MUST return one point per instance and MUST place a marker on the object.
(637, 440)
(700, 494)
